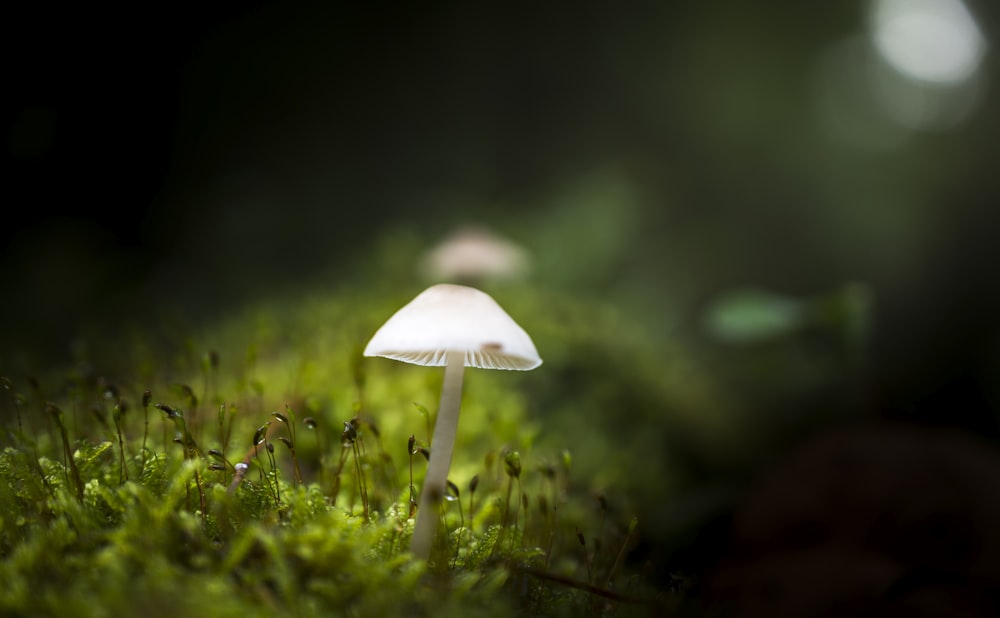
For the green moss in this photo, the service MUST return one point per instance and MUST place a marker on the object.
(147, 514)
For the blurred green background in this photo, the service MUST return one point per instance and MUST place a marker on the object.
(792, 206)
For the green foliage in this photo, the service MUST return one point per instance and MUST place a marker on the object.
(272, 474)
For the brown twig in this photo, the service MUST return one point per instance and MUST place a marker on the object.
(591, 588)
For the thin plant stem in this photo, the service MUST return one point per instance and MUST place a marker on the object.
(360, 473)
(621, 552)
(503, 517)
(117, 416)
(145, 432)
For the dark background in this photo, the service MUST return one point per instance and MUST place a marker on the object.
(206, 156)
(196, 159)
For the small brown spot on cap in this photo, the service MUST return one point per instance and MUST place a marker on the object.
(492, 346)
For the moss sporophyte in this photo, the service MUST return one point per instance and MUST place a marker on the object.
(114, 501)
(456, 327)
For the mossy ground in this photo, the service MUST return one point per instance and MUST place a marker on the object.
(121, 493)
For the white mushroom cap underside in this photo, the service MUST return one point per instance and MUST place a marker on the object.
(454, 318)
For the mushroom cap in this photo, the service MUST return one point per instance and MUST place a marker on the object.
(475, 252)
(454, 318)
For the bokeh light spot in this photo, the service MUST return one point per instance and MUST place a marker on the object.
(931, 40)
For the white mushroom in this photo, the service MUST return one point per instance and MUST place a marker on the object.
(475, 253)
(456, 327)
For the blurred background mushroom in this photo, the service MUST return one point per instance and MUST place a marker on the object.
(472, 254)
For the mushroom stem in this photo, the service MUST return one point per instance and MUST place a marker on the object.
(442, 446)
